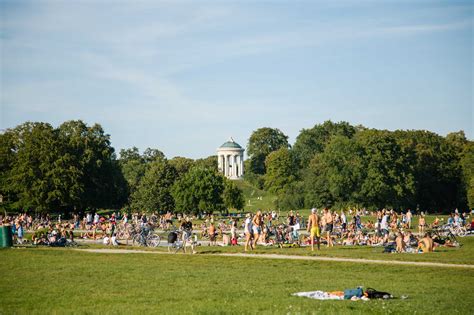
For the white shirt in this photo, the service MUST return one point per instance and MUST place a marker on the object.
(384, 224)
(247, 225)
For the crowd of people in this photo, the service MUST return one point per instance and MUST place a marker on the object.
(400, 232)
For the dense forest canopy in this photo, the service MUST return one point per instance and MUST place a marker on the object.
(74, 168)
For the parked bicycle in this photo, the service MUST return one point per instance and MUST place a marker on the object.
(145, 236)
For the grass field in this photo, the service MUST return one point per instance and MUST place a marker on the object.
(45, 280)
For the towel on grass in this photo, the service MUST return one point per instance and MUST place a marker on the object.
(319, 295)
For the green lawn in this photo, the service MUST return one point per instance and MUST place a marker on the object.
(43, 280)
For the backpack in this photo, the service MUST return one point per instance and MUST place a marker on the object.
(374, 294)
(172, 237)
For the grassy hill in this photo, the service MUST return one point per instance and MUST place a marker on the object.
(256, 198)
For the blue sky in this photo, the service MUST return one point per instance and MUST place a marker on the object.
(183, 77)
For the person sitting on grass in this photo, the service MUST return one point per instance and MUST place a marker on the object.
(435, 223)
(426, 243)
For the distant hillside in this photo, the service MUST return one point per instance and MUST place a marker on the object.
(256, 198)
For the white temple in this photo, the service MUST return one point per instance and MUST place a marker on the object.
(230, 161)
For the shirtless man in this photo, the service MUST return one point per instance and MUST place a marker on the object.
(313, 227)
(329, 226)
(257, 223)
(426, 244)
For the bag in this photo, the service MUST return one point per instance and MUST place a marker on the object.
(172, 237)
(374, 294)
(349, 293)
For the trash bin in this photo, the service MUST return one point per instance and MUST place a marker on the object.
(6, 239)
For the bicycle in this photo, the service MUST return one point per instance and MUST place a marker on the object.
(146, 237)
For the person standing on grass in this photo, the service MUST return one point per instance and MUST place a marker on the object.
(257, 223)
(212, 234)
(343, 221)
(248, 232)
(421, 224)
(409, 217)
(187, 228)
(313, 228)
(329, 226)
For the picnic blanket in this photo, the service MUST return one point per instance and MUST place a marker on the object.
(320, 295)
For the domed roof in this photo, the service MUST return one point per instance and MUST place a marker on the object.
(231, 144)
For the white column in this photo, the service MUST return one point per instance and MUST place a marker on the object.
(238, 163)
(234, 160)
(226, 166)
(241, 164)
(219, 164)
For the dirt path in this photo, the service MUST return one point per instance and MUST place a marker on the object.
(294, 257)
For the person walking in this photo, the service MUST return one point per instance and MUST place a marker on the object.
(248, 232)
(313, 228)
(329, 226)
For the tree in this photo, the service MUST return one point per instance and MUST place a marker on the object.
(436, 168)
(151, 155)
(154, 190)
(467, 164)
(389, 179)
(181, 164)
(199, 190)
(262, 142)
(335, 175)
(281, 170)
(90, 152)
(69, 168)
(233, 196)
(210, 163)
(37, 178)
(312, 141)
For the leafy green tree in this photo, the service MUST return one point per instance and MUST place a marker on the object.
(233, 196)
(181, 164)
(34, 177)
(436, 168)
(389, 179)
(199, 190)
(312, 141)
(281, 170)
(69, 168)
(210, 163)
(151, 155)
(131, 154)
(336, 175)
(90, 151)
(7, 159)
(262, 142)
(292, 197)
(154, 190)
(467, 164)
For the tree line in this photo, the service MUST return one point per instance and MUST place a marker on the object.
(337, 164)
(74, 168)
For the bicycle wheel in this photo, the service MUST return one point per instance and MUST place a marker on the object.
(137, 240)
(462, 231)
(153, 240)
